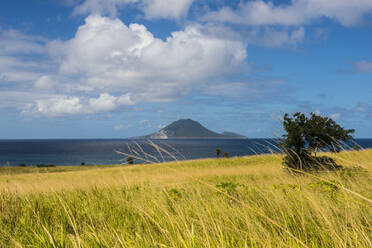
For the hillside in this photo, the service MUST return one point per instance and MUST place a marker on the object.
(187, 128)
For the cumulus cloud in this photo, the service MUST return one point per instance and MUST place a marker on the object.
(296, 13)
(73, 105)
(107, 54)
(363, 66)
(169, 9)
(108, 65)
(125, 65)
(45, 82)
(59, 106)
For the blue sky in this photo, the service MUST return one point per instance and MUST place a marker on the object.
(122, 68)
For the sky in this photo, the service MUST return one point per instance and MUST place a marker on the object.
(124, 68)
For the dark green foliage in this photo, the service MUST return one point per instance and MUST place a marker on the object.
(218, 152)
(45, 165)
(306, 136)
(356, 147)
(330, 187)
(227, 187)
(174, 194)
(306, 161)
(82, 163)
(22, 165)
(130, 160)
(225, 155)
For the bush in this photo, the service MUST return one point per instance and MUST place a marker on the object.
(218, 152)
(306, 136)
(45, 165)
(309, 162)
(130, 160)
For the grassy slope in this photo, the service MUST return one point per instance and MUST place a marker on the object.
(238, 202)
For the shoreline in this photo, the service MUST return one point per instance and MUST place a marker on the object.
(87, 166)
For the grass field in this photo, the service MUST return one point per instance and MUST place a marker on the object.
(238, 202)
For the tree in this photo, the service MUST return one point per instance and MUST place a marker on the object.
(225, 155)
(306, 136)
(218, 152)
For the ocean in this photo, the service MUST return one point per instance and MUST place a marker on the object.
(103, 151)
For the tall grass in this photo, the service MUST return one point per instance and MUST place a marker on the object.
(238, 202)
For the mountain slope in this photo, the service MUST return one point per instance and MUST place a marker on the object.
(187, 128)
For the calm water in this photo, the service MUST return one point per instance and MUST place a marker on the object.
(91, 152)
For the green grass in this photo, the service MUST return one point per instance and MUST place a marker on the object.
(13, 170)
(237, 202)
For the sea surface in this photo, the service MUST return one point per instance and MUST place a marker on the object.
(104, 152)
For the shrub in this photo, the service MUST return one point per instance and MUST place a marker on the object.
(130, 160)
(218, 152)
(306, 136)
(45, 165)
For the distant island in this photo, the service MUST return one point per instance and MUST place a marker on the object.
(187, 128)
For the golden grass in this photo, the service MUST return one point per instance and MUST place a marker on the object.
(154, 174)
(238, 202)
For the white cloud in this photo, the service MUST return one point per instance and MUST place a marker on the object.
(58, 106)
(335, 116)
(19, 98)
(61, 105)
(168, 9)
(101, 7)
(15, 42)
(16, 52)
(363, 66)
(45, 83)
(122, 65)
(318, 112)
(296, 13)
(276, 38)
(103, 103)
(109, 58)
(18, 70)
